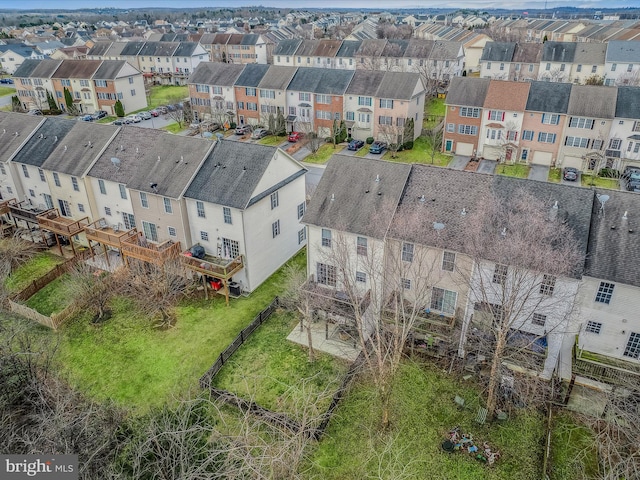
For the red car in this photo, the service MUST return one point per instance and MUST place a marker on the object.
(295, 136)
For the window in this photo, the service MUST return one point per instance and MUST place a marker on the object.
(3, 171)
(326, 238)
(597, 144)
(252, 106)
(25, 171)
(448, 261)
(133, 92)
(65, 208)
(615, 144)
(172, 231)
(364, 117)
(502, 66)
(167, 205)
(200, 209)
(527, 135)
(467, 129)
(56, 179)
(605, 291)
(361, 277)
(577, 122)
(267, 94)
(325, 99)
(103, 189)
(129, 221)
(364, 101)
(400, 122)
(407, 252)
(150, 231)
(204, 236)
(512, 135)
(250, 92)
(579, 69)
(81, 207)
(594, 69)
(550, 119)
(226, 214)
(275, 228)
(613, 67)
(633, 346)
(386, 103)
(385, 120)
(32, 193)
(496, 115)
(545, 137)
(302, 235)
(451, 128)
(350, 116)
(562, 67)
(304, 97)
(500, 274)
(107, 211)
(576, 142)
(539, 319)
(74, 182)
(443, 300)
(593, 327)
(361, 246)
(488, 65)
(143, 200)
(547, 66)
(240, 105)
(301, 208)
(470, 112)
(326, 274)
(274, 200)
(547, 285)
(40, 172)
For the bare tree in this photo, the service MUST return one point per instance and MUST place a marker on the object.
(393, 136)
(14, 252)
(297, 298)
(523, 255)
(177, 113)
(434, 137)
(93, 289)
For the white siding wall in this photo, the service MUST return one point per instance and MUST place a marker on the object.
(111, 200)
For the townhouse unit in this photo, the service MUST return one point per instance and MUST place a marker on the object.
(244, 205)
(588, 62)
(516, 61)
(246, 93)
(237, 48)
(622, 63)
(212, 93)
(272, 92)
(13, 55)
(93, 85)
(625, 129)
(557, 60)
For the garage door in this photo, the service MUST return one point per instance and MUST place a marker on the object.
(464, 149)
(491, 152)
(542, 158)
(575, 162)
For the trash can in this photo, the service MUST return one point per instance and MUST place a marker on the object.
(234, 289)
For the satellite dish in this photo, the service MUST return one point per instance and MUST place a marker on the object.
(603, 199)
(115, 161)
(438, 226)
(207, 134)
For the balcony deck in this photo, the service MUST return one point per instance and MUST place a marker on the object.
(25, 211)
(100, 231)
(4, 205)
(52, 221)
(135, 245)
(605, 369)
(218, 267)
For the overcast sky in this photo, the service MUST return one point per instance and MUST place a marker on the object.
(298, 4)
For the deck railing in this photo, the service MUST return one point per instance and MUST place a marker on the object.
(136, 245)
(54, 222)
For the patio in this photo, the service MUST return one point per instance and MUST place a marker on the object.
(327, 337)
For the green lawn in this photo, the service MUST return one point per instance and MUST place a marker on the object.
(174, 128)
(163, 94)
(272, 140)
(363, 151)
(129, 361)
(436, 106)
(4, 91)
(420, 153)
(517, 170)
(573, 452)
(324, 153)
(423, 411)
(589, 180)
(270, 369)
(555, 174)
(106, 119)
(52, 298)
(36, 267)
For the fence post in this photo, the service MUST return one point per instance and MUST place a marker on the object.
(242, 336)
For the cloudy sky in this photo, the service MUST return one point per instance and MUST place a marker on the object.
(381, 4)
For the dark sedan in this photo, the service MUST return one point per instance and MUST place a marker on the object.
(570, 174)
(355, 145)
(377, 147)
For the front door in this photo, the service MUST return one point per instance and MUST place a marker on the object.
(508, 154)
(65, 210)
(448, 145)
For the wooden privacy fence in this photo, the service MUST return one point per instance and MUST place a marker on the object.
(53, 321)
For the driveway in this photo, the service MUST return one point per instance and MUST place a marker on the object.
(539, 172)
(301, 154)
(577, 181)
(459, 162)
(487, 166)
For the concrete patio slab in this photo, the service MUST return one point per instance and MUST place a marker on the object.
(336, 345)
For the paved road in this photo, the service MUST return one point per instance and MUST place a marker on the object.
(6, 99)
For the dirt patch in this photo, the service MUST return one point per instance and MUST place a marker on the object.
(294, 148)
(471, 166)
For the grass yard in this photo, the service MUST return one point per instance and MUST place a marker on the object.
(174, 128)
(420, 153)
(589, 180)
(52, 298)
(363, 151)
(272, 140)
(423, 411)
(36, 267)
(516, 170)
(4, 91)
(323, 154)
(555, 175)
(573, 452)
(436, 106)
(129, 361)
(163, 94)
(271, 370)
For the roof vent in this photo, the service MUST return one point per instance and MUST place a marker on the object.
(463, 212)
(437, 226)
(553, 213)
(625, 217)
(55, 138)
(39, 136)
(504, 232)
(16, 134)
(154, 187)
(4, 130)
(181, 158)
(603, 199)
(65, 148)
(333, 197)
(422, 198)
(158, 158)
(377, 178)
(137, 150)
(122, 148)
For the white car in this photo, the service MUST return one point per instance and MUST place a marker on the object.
(133, 118)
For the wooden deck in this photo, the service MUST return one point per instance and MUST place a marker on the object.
(24, 211)
(4, 205)
(218, 267)
(605, 369)
(52, 221)
(135, 245)
(100, 231)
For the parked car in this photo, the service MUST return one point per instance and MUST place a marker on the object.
(377, 147)
(570, 174)
(155, 112)
(260, 133)
(134, 118)
(86, 118)
(6, 80)
(171, 108)
(162, 109)
(34, 111)
(355, 145)
(123, 121)
(144, 115)
(99, 114)
(633, 185)
(295, 136)
(243, 129)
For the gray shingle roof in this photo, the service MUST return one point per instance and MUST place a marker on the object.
(287, 47)
(26, 68)
(132, 48)
(77, 69)
(10, 123)
(348, 48)
(395, 48)
(185, 49)
(321, 80)
(527, 53)
(215, 73)
(498, 51)
(38, 148)
(624, 52)
(277, 78)
(548, 97)
(251, 75)
(559, 52)
(38, 68)
(348, 197)
(614, 251)
(307, 47)
(231, 173)
(628, 102)
(249, 39)
(109, 69)
(592, 101)
(419, 48)
(398, 85)
(469, 92)
(365, 82)
(74, 153)
(590, 53)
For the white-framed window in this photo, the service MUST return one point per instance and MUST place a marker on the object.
(123, 191)
(150, 231)
(615, 144)
(579, 69)
(613, 67)
(81, 208)
(101, 186)
(167, 205)
(361, 277)
(385, 120)
(350, 116)
(326, 274)
(275, 228)
(302, 235)
(129, 221)
(539, 319)
(405, 283)
(386, 103)
(226, 214)
(451, 128)
(443, 300)
(204, 236)
(274, 200)
(594, 69)
(605, 292)
(107, 211)
(361, 246)
(632, 349)
(548, 285)
(231, 248)
(576, 142)
(200, 209)
(407, 252)
(324, 99)
(500, 274)
(250, 92)
(593, 327)
(550, 119)
(56, 179)
(74, 183)
(365, 101)
(25, 171)
(496, 115)
(3, 171)
(527, 135)
(448, 261)
(545, 137)
(471, 112)
(301, 208)
(172, 231)
(304, 97)
(488, 65)
(364, 118)
(578, 122)
(467, 129)
(267, 94)
(144, 201)
(32, 193)
(40, 172)
(326, 238)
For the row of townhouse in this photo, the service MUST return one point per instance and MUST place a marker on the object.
(583, 126)
(159, 62)
(237, 47)
(584, 323)
(93, 84)
(613, 63)
(152, 195)
(372, 103)
(438, 59)
(12, 56)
